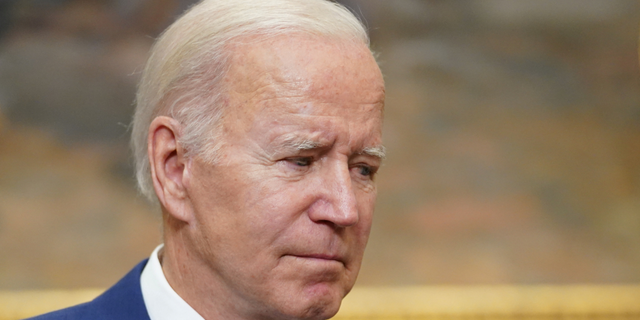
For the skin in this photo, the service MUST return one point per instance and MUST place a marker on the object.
(276, 229)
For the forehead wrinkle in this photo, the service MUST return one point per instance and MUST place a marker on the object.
(267, 88)
(270, 86)
(265, 81)
(304, 107)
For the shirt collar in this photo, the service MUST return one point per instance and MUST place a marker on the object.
(162, 302)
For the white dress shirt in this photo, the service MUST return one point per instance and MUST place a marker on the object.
(161, 301)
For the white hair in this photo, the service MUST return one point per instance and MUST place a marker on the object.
(182, 76)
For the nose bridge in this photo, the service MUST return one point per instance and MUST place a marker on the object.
(343, 209)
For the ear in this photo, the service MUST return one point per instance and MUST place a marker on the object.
(169, 167)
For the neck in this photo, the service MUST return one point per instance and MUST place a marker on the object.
(190, 277)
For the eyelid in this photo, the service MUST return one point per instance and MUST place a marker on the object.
(372, 170)
(308, 160)
(295, 161)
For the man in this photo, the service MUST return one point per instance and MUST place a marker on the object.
(258, 133)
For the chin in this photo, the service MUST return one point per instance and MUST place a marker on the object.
(315, 311)
(315, 302)
(322, 313)
(322, 301)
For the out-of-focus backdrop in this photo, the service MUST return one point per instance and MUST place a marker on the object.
(512, 126)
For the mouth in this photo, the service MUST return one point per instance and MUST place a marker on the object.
(319, 258)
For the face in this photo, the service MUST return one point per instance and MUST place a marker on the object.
(282, 219)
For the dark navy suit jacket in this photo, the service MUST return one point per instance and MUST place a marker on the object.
(123, 301)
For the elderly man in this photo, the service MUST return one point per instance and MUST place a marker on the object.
(258, 133)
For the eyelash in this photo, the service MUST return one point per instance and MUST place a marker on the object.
(369, 170)
(364, 170)
(301, 162)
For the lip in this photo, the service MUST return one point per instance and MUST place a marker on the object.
(321, 257)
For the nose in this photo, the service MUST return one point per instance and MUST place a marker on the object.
(337, 203)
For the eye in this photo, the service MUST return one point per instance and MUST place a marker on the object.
(301, 162)
(365, 170)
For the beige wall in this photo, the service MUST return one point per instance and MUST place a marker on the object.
(513, 130)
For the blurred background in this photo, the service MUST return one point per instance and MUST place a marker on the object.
(512, 127)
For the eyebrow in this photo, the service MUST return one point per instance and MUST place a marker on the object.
(304, 144)
(297, 142)
(301, 144)
(377, 151)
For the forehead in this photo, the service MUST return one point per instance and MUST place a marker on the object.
(303, 71)
(303, 87)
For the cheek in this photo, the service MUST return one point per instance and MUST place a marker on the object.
(366, 199)
(366, 203)
(272, 205)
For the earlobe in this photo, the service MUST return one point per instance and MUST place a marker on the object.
(169, 167)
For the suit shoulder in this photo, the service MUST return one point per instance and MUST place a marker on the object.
(123, 301)
(81, 311)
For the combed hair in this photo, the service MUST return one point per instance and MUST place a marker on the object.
(182, 76)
